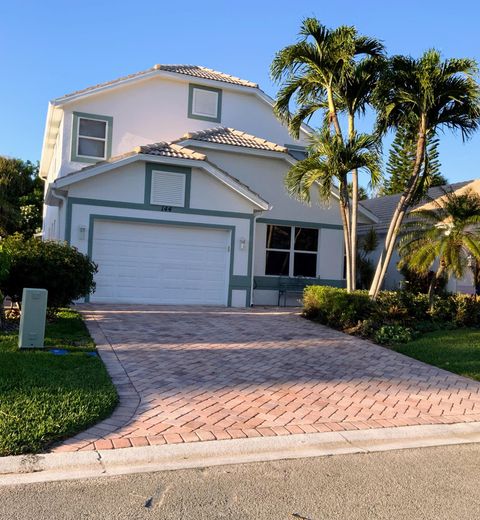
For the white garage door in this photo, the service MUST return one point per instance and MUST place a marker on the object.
(152, 263)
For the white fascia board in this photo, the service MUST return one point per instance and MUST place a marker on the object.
(73, 178)
(265, 97)
(63, 100)
(52, 125)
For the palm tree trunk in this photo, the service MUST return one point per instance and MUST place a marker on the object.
(344, 197)
(344, 213)
(433, 283)
(333, 114)
(354, 217)
(399, 214)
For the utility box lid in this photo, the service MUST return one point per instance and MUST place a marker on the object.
(33, 317)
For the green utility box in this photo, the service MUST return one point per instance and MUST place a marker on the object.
(32, 319)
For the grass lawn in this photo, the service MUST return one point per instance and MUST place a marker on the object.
(455, 350)
(45, 398)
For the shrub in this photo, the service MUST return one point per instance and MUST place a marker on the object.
(389, 334)
(335, 307)
(401, 307)
(467, 310)
(66, 273)
(444, 309)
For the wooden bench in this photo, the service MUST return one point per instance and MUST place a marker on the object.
(292, 286)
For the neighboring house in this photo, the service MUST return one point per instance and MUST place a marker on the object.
(172, 181)
(383, 208)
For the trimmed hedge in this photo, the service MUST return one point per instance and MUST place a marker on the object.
(394, 317)
(66, 273)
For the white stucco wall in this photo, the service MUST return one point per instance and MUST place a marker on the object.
(156, 110)
(127, 184)
(124, 184)
(266, 176)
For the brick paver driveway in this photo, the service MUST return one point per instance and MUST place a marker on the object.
(189, 374)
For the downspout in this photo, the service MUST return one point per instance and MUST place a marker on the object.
(63, 200)
(252, 238)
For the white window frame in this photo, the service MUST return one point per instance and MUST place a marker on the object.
(104, 139)
(292, 251)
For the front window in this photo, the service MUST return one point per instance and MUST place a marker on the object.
(291, 251)
(91, 140)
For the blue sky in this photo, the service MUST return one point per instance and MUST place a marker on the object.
(49, 48)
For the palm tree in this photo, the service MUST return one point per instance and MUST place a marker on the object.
(447, 231)
(311, 72)
(329, 161)
(354, 94)
(423, 95)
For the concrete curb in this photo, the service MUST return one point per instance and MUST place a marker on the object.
(63, 466)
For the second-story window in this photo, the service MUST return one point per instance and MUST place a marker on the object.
(204, 103)
(91, 137)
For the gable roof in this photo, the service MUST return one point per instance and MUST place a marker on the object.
(232, 137)
(384, 207)
(162, 153)
(195, 71)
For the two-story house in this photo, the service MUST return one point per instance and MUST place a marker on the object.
(172, 181)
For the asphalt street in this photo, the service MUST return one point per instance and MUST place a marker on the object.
(428, 483)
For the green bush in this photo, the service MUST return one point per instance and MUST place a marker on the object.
(390, 334)
(400, 307)
(335, 307)
(66, 273)
(467, 310)
(394, 317)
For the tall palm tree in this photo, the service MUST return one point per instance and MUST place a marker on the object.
(310, 72)
(329, 161)
(353, 96)
(448, 231)
(423, 95)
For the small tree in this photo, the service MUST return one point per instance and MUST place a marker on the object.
(21, 197)
(448, 232)
(401, 160)
(66, 273)
(425, 96)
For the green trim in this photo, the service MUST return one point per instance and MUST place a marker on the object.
(191, 115)
(150, 167)
(276, 282)
(240, 282)
(140, 206)
(232, 279)
(108, 141)
(298, 223)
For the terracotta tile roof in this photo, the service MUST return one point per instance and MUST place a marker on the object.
(165, 149)
(205, 73)
(196, 71)
(232, 137)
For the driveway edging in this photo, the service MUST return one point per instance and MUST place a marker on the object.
(25, 469)
(129, 398)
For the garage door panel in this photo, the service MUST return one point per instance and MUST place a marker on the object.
(149, 263)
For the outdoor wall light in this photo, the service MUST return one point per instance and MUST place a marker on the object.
(243, 243)
(82, 232)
